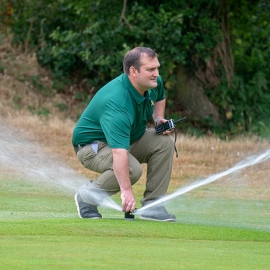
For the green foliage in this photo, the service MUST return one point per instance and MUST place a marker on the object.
(245, 105)
(61, 106)
(41, 111)
(17, 100)
(86, 40)
(58, 84)
(72, 36)
(2, 68)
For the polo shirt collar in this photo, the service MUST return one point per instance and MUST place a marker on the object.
(136, 95)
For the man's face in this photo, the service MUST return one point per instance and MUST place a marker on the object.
(146, 78)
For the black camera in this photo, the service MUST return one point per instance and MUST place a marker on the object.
(169, 125)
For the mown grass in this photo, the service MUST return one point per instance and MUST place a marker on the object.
(217, 228)
(39, 229)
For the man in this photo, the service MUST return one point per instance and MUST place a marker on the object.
(111, 138)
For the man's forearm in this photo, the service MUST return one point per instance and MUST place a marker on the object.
(121, 171)
(121, 168)
(159, 110)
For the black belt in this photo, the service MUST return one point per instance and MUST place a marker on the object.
(78, 148)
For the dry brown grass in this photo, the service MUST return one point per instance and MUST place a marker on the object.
(198, 157)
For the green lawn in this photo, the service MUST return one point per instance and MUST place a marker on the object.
(39, 229)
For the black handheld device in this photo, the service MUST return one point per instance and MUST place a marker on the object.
(169, 125)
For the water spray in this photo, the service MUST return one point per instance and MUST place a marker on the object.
(28, 158)
(239, 166)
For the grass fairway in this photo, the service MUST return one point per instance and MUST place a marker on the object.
(40, 230)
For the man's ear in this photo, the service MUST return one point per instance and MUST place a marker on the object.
(133, 71)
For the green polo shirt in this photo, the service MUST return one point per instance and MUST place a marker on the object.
(117, 114)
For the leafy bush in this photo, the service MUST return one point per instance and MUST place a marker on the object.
(79, 37)
(86, 41)
(246, 103)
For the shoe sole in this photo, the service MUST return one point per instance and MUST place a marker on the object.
(78, 208)
(153, 219)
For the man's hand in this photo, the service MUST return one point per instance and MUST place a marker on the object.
(161, 121)
(158, 115)
(128, 201)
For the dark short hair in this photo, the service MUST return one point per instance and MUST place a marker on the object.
(133, 58)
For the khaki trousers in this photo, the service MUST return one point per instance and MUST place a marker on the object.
(155, 150)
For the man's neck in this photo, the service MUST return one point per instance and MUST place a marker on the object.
(136, 86)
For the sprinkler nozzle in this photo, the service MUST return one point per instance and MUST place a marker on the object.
(129, 216)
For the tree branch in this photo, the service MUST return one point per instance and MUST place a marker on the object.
(122, 17)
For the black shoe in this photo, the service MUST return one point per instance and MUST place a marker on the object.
(158, 213)
(86, 210)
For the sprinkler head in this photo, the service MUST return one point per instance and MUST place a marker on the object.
(129, 216)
